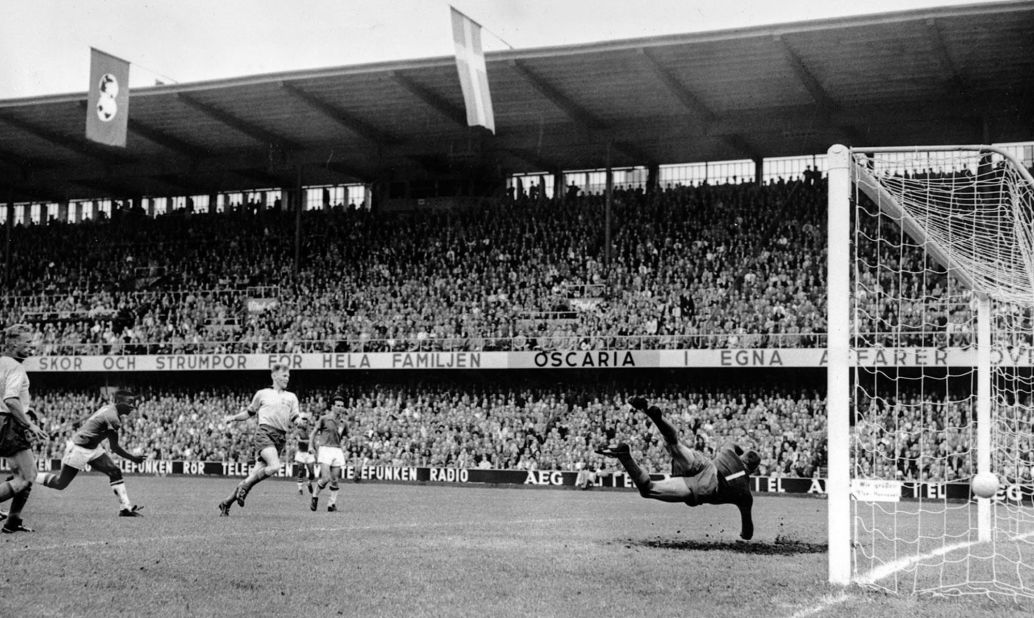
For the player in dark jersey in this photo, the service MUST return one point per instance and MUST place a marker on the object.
(326, 436)
(304, 460)
(694, 478)
(86, 447)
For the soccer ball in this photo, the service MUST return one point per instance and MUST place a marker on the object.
(138, 451)
(106, 108)
(985, 485)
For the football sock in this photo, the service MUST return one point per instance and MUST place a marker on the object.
(333, 497)
(18, 502)
(668, 432)
(639, 477)
(43, 478)
(119, 487)
(319, 487)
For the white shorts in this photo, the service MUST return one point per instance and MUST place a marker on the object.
(332, 456)
(304, 457)
(78, 456)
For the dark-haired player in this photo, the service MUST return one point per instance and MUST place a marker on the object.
(304, 460)
(276, 409)
(326, 437)
(86, 447)
(17, 429)
(694, 479)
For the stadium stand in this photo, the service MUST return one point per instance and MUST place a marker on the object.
(440, 423)
(736, 266)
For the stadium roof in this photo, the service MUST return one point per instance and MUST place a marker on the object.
(961, 74)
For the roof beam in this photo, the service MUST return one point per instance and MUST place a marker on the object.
(955, 81)
(347, 171)
(574, 111)
(818, 93)
(432, 99)
(543, 165)
(740, 144)
(250, 129)
(19, 163)
(266, 180)
(815, 89)
(113, 189)
(630, 150)
(183, 184)
(20, 192)
(676, 87)
(165, 140)
(160, 138)
(76, 144)
(349, 122)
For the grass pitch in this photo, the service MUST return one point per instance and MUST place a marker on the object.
(412, 550)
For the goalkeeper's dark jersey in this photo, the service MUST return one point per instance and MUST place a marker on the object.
(733, 485)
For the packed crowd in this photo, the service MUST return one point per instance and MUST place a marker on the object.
(705, 266)
(537, 428)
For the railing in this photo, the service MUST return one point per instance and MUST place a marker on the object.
(441, 344)
(711, 341)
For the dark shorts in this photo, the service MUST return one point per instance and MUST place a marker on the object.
(14, 437)
(267, 436)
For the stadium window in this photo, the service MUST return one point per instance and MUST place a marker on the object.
(272, 197)
(791, 168)
(19, 214)
(686, 174)
(36, 213)
(201, 203)
(1021, 151)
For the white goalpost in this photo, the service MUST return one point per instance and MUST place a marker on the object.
(930, 371)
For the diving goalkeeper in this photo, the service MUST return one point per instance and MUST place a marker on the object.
(694, 479)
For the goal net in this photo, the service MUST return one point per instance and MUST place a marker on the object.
(931, 298)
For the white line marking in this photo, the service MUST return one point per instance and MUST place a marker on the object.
(823, 605)
(886, 570)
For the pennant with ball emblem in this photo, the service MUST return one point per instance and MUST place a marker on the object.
(107, 109)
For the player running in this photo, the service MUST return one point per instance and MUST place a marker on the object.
(276, 409)
(326, 437)
(17, 429)
(694, 479)
(86, 447)
(304, 460)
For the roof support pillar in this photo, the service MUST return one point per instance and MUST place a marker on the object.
(299, 206)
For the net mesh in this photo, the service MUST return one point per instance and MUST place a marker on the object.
(931, 232)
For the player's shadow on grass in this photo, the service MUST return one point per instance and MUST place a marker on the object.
(779, 547)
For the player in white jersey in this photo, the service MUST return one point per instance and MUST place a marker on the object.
(17, 429)
(276, 409)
